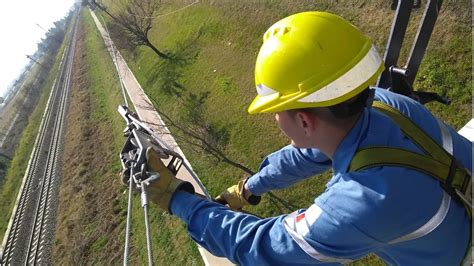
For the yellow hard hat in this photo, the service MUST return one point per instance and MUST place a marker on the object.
(312, 59)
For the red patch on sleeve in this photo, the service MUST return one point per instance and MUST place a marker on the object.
(300, 217)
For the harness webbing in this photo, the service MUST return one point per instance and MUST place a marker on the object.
(437, 162)
(382, 156)
(414, 132)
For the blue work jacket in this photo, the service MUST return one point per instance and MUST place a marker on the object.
(380, 210)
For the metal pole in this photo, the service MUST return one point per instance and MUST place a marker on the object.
(129, 219)
(395, 40)
(147, 226)
(422, 38)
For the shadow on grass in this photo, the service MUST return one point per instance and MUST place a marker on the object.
(166, 74)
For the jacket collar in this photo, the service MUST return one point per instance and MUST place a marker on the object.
(349, 145)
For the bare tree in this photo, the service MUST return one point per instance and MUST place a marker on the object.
(137, 21)
(199, 135)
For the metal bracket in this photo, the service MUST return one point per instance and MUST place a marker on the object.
(400, 79)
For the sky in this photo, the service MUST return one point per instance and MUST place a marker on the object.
(20, 34)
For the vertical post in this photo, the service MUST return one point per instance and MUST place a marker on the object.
(144, 199)
(129, 218)
(422, 38)
(395, 41)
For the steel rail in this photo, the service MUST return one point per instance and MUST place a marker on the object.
(19, 223)
(19, 212)
(40, 230)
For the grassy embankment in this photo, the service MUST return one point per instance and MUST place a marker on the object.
(11, 109)
(10, 186)
(18, 105)
(92, 210)
(220, 60)
(88, 213)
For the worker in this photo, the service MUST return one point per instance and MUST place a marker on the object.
(387, 195)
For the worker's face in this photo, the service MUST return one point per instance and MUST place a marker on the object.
(296, 128)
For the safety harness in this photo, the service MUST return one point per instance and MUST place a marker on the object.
(438, 161)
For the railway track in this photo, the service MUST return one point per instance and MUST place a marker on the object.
(28, 239)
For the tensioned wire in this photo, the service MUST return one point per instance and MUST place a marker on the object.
(117, 70)
(166, 14)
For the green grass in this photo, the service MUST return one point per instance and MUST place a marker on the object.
(11, 184)
(106, 97)
(11, 110)
(448, 72)
(220, 60)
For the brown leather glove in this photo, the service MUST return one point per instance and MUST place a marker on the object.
(161, 191)
(234, 197)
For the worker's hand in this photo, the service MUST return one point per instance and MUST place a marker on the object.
(161, 190)
(237, 196)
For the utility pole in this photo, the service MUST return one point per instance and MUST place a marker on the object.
(34, 60)
(56, 39)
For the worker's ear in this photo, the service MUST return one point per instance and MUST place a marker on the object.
(307, 121)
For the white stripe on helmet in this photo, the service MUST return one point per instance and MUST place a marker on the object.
(263, 90)
(350, 80)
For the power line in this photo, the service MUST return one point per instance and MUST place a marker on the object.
(167, 14)
(39, 26)
(54, 37)
(33, 59)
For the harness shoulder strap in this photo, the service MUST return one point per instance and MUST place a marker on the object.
(414, 132)
(437, 162)
(383, 156)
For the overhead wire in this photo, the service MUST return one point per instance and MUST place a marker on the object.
(166, 14)
(130, 188)
(114, 53)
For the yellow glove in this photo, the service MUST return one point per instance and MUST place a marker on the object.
(161, 191)
(234, 197)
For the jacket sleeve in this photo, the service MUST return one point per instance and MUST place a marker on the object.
(248, 240)
(286, 167)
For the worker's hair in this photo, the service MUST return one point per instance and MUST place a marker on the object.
(342, 111)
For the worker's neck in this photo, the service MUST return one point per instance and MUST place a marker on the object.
(331, 136)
